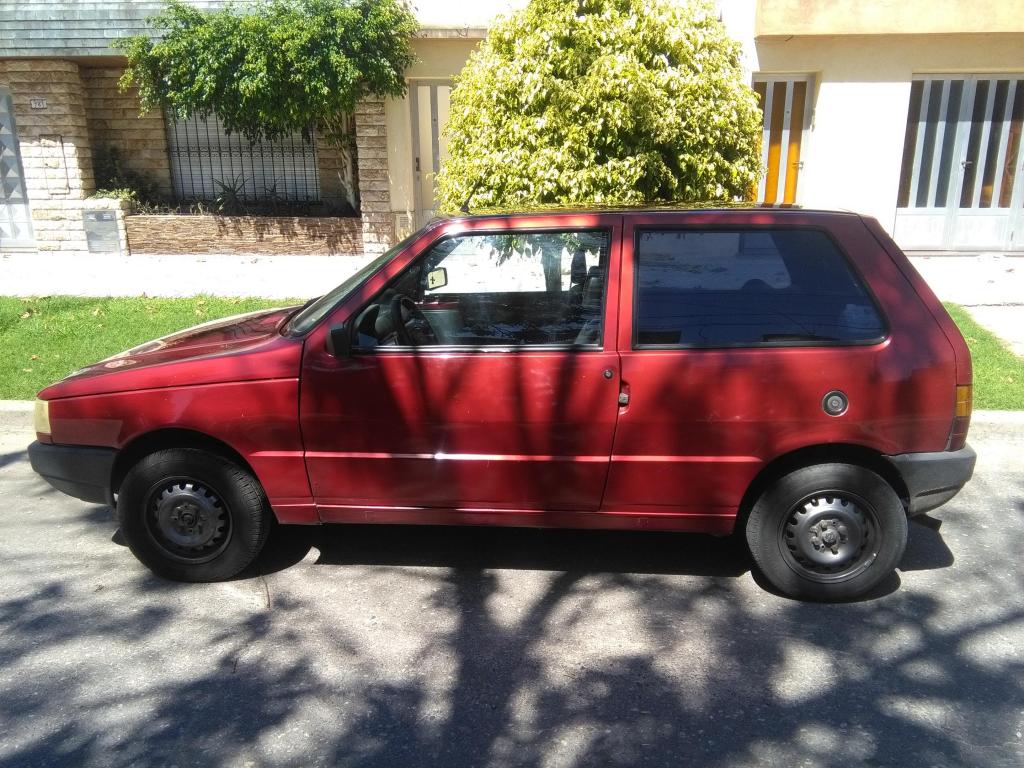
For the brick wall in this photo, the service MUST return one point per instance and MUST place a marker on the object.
(55, 148)
(85, 110)
(54, 140)
(244, 234)
(336, 167)
(59, 225)
(372, 164)
(114, 121)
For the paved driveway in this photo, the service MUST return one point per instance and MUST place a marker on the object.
(440, 647)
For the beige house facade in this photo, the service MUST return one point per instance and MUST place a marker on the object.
(910, 112)
(913, 115)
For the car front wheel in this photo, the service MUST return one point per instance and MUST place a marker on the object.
(191, 515)
(827, 532)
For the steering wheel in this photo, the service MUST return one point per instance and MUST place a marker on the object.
(411, 326)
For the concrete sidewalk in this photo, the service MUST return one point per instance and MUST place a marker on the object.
(989, 285)
(101, 274)
(968, 279)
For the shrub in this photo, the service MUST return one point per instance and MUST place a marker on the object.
(274, 67)
(602, 101)
(114, 180)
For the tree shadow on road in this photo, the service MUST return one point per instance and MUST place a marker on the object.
(515, 647)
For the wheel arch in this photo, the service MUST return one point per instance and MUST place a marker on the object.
(161, 439)
(828, 453)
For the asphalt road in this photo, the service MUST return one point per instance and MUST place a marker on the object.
(446, 648)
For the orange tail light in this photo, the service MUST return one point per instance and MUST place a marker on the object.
(961, 419)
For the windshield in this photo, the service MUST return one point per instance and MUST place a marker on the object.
(308, 316)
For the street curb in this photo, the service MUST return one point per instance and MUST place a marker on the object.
(997, 417)
(16, 415)
(16, 405)
(964, 255)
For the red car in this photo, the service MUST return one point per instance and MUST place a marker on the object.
(781, 373)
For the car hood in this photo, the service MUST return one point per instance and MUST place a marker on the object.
(239, 348)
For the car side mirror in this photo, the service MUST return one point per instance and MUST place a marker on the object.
(437, 278)
(339, 341)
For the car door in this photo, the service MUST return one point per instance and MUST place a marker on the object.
(734, 326)
(482, 375)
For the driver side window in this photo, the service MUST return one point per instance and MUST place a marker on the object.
(495, 290)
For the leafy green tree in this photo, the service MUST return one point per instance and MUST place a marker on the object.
(274, 67)
(602, 101)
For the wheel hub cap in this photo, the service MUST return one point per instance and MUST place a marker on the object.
(189, 519)
(827, 534)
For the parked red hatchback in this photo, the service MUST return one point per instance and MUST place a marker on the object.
(785, 374)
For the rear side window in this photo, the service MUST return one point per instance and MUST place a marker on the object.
(748, 288)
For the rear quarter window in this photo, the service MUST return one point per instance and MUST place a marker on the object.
(745, 288)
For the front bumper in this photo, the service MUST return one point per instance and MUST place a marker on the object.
(932, 479)
(77, 470)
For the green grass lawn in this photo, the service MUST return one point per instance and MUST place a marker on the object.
(998, 373)
(45, 339)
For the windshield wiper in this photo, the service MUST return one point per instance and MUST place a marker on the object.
(297, 310)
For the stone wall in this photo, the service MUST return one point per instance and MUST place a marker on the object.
(59, 225)
(55, 150)
(336, 167)
(374, 195)
(79, 109)
(264, 235)
(114, 121)
(141, 140)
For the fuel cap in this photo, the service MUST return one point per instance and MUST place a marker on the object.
(835, 403)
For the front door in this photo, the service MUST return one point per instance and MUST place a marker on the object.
(15, 219)
(785, 105)
(483, 376)
(962, 182)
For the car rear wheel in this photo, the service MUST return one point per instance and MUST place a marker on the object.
(827, 532)
(190, 515)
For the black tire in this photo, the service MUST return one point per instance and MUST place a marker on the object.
(190, 515)
(827, 532)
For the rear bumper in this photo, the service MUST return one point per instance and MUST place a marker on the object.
(77, 470)
(932, 479)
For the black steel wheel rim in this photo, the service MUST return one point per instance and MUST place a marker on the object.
(830, 536)
(187, 520)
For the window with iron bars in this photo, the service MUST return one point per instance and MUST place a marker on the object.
(208, 163)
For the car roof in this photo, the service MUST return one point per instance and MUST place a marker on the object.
(707, 207)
